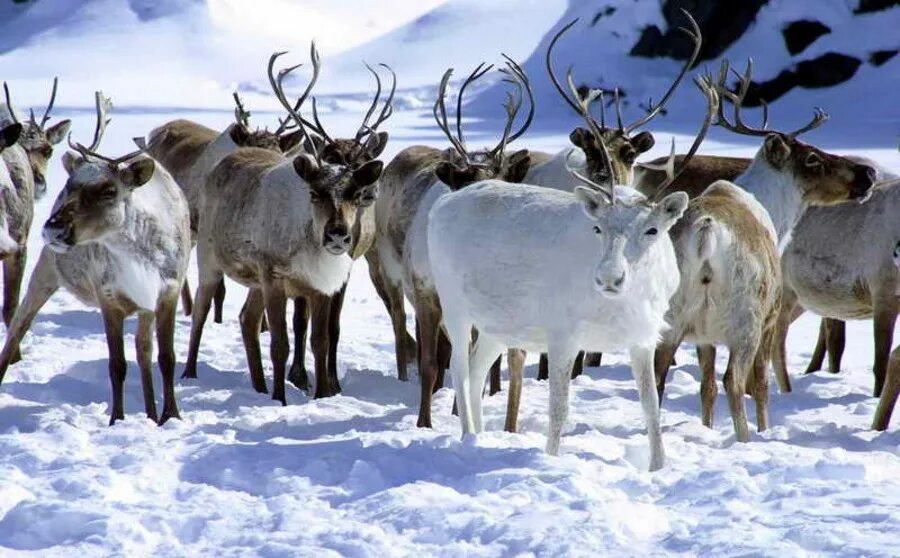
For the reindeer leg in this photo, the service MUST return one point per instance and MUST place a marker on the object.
(760, 381)
(279, 346)
(836, 341)
(210, 276)
(334, 334)
(709, 389)
(578, 366)
(662, 360)
(593, 359)
(561, 359)
(165, 339)
(297, 374)
(428, 316)
(219, 301)
(886, 308)
(321, 313)
(740, 364)
(889, 394)
(143, 347)
(543, 367)
(818, 355)
(113, 321)
(186, 301)
(43, 283)
(495, 384)
(642, 367)
(249, 318)
(444, 352)
(13, 271)
(515, 358)
(790, 311)
(484, 353)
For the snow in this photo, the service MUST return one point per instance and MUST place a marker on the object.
(352, 475)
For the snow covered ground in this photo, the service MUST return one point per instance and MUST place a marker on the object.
(353, 476)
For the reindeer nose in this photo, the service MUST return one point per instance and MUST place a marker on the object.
(620, 281)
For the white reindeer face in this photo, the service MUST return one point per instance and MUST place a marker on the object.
(625, 231)
(92, 204)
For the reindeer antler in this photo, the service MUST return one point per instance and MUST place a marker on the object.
(9, 106)
(293, 110)
(241, 116)
(694, 34)
(515, 75)
(712, 107)
(102, 105)
(386, 111)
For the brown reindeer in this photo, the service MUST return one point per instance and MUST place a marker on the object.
(413, 181)
(289, 223)
(118, 238)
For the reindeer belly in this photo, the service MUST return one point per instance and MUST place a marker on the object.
(828, 288)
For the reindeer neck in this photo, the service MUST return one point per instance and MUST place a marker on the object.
(776, 191)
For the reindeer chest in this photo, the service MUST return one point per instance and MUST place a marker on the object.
(98, 277)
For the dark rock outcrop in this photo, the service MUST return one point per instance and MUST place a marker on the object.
(800, 34)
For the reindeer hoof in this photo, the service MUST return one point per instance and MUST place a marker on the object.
(168, 415)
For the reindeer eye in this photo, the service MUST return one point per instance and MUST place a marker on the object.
(651, 231)
(813, 160)
(597, 230)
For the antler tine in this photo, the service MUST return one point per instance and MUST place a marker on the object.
(512, 106)
(736, 98)
(517, 71)
(318, 123)
(548, 62)
(696, 36)
(279, 94)
(588, 182)
(819, 118)
(440, 115)
(388, 109)
(46, 115)
(103, 106)
(9, 106)
(584, 103)
(476, 74)
(618, 109)
(712, 107)
(241, 116)
(365, 123)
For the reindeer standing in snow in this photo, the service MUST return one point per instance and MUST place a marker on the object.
(118, 238)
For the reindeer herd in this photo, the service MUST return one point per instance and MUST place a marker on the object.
(497, 250)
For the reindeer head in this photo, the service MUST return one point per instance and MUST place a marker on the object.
(610, 153)
(38, 140)
(281, 140)
(626, 223)
(823, 178)
(462, 167)
(92, 204)
(341, 175)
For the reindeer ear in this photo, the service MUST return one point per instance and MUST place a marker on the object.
(376, 144)
(10, 135)
(643, 142)
(672, 207)
(239, 134)
(580, 137)
(519, 163)
(591, 201)
(137, 173)
(71, 162)
(369, 173)
(290, 141)
(306, 167)
(58, 131)
(777, 150)
(453, 176)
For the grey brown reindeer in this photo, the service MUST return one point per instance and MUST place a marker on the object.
(189, 151)
(289, 225)
(413, 181)
(118, 238)
(37, 138)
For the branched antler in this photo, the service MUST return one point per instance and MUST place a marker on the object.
(102, 105)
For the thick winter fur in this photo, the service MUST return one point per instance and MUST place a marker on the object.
(118, 239)
(839, 265)
(524, 266)
(38, 145)
(282, 227)
(729, 294)
(16, 213)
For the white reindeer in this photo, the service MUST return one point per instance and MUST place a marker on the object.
(522, 265)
